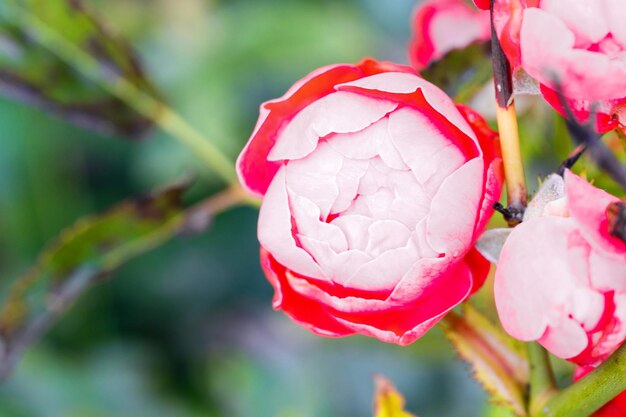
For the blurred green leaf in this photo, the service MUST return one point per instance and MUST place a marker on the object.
(31, 72)
(388, 402)
(84, 253)
(462, 73)
(499, 362)
(496, 411)
(99, 244)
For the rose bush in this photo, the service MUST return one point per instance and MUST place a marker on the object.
(432, 37)
(375, 186)
(584, 55)
(561, 277)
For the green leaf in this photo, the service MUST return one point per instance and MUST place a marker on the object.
(462, 73)
(93, 247)
(388, 402)
(88, 251)
(33, 72)
(498, 361)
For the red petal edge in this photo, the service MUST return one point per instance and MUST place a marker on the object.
(605, 122)
(254, 170)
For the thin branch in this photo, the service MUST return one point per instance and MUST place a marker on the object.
(571, 160)
(159, 113)
(501, 69)
(61, 298)
(507, 127)
(586, 136)
(602, 156)
(59, 302)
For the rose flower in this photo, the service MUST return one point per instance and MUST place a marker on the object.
(561, 276)
(375, 187)
(577, 47)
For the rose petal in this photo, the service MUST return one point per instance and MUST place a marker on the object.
(566, 340)
(450, 224)
(275, 234)
(607, 273)
(315, 177)
(255, 172)
(615, 13)
(383, 272)
(404, 325)
(415, 136)
(588, 204)
(405, 83)
(340, 112)
(305, 312)
(306, 216)
(580, 73)
(586, 19)
(534, 281)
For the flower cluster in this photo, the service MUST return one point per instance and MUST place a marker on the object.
(376, 187)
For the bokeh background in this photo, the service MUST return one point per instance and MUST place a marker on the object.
(188, 330)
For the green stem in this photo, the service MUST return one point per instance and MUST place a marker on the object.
(166, 118)
(586, 396)
(542, 383)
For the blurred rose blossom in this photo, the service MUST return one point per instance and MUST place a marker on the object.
(440, 26)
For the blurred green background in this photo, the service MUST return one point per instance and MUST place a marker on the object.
(188, 330)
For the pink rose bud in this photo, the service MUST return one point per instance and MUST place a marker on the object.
(561, 276)
(375, 187)
(614, 408)
(433, 36)
(577, 47)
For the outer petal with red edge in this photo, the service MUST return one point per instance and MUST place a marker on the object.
(254, 170)
(588, 205)
(302, 310)
(482, 4)
(609, 115)
(494, 172)
(310, 304)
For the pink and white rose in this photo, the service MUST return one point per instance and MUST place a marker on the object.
(375, 187)
(576, 46)
(561, 276)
